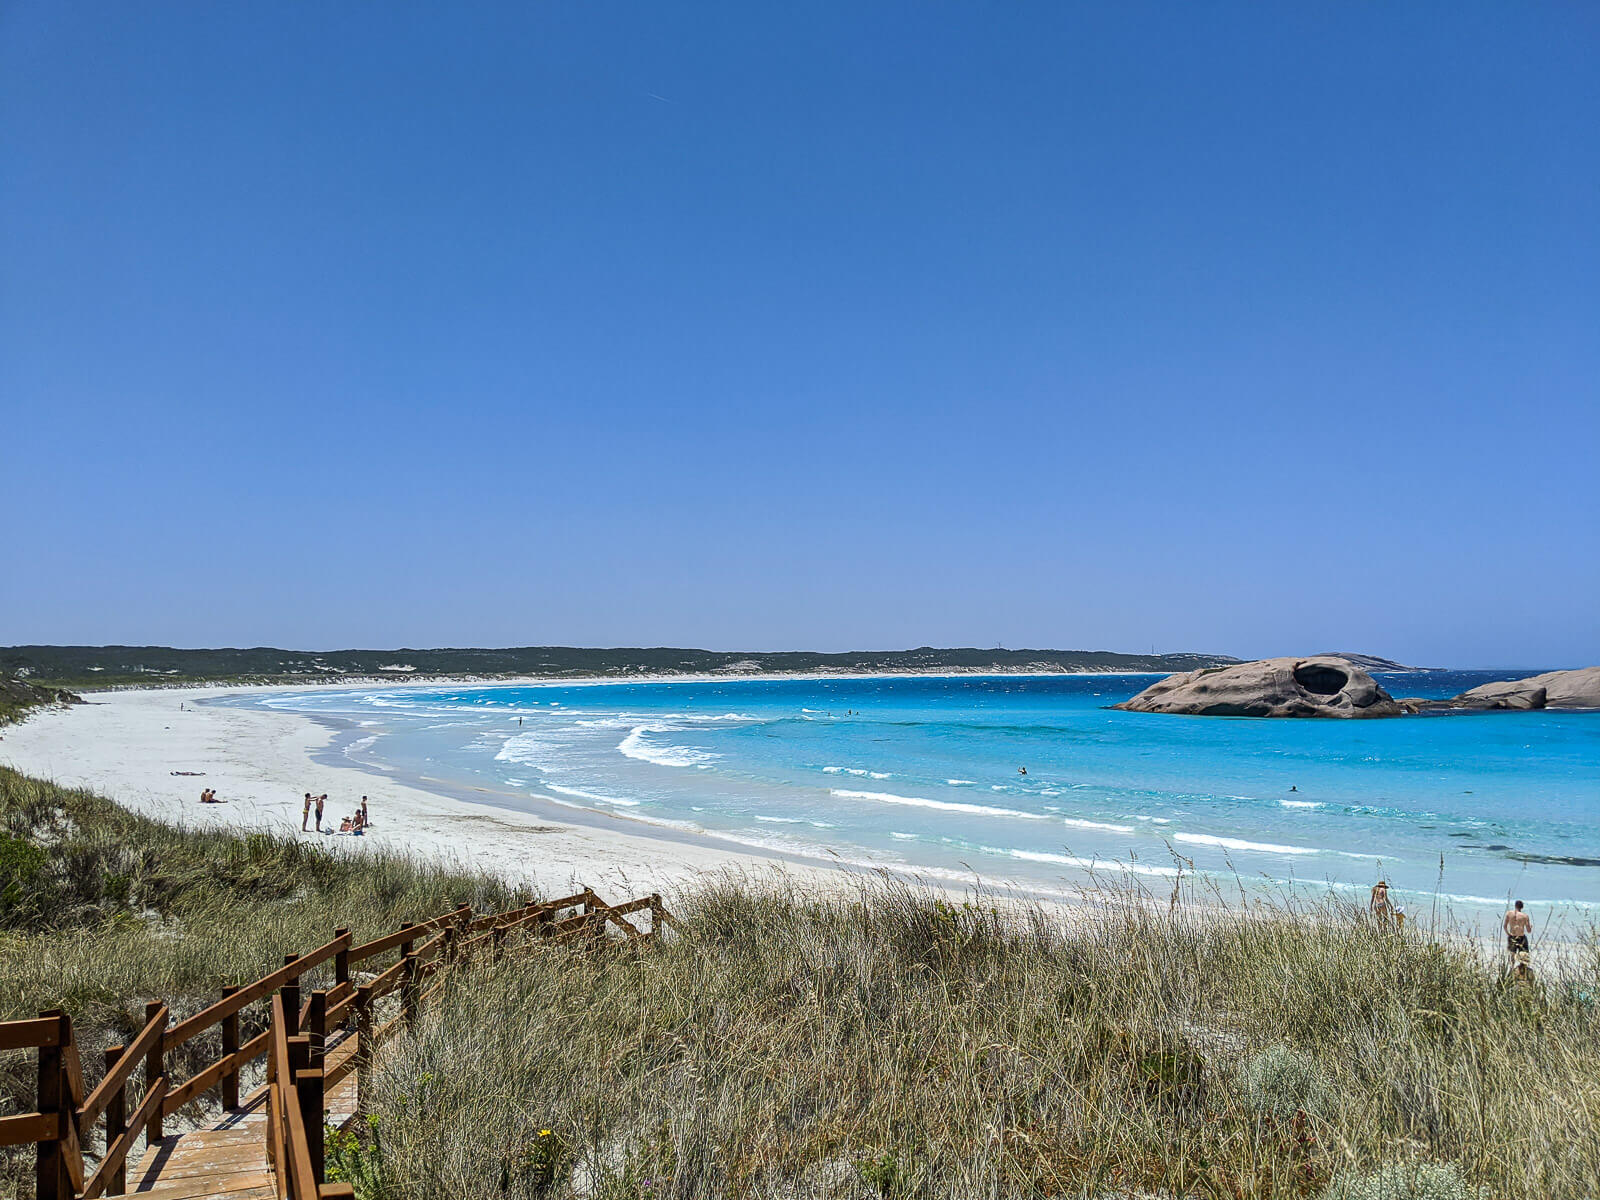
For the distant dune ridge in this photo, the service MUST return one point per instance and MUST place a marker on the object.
(145, 666)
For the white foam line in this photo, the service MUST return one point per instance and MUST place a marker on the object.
(1207, 839)
(943, 805)
(1080, 823)
(583, 795)
(1085, 864)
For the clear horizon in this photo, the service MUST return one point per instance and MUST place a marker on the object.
(1220, 329)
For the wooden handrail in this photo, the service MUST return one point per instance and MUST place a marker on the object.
(117, 1153)
(26, 1128)
(410, 933)
(33, 1033)
(228, 1005)
(211, 1075)
(298, 1171)
(114, 1079)
(296, 1077)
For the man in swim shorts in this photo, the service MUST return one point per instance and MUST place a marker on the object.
(1518, 925)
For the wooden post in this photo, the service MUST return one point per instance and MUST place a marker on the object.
(655, 913)
(497, 943)
(410, 990)
(50, 1169)
(230, 1045)
(154, 1069)
(405, 946)
(341, 960)
(364, 1046)
(299, 1062)
(308, 1086)
(317, 1024)
(116, 1123)
(291, 1004)
(451, 950)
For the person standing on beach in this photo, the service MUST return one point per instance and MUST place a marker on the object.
(321, 800)
(1518, 925)
(1384, 908)
(305, 813)
(363, 812)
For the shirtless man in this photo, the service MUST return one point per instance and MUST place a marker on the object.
(1518, 925)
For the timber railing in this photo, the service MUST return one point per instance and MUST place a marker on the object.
(293, 1043)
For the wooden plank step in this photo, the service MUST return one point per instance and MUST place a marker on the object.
(202, 1154)
(254, 1186)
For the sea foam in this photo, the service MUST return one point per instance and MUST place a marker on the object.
(984, 810)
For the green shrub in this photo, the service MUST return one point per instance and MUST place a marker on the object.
(1280, 1081)
(1406, 1181)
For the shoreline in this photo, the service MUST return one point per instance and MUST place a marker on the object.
(487, 681)
(125, 744)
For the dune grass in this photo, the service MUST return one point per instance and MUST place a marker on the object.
(890, 1043)
(102, 910)
(898, 1045)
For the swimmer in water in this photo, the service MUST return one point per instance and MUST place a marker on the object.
(1022, 770)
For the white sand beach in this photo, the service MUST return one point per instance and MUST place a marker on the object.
(127, 744)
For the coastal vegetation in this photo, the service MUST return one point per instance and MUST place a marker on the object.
(18, 697)
(144, 666)
(884, 1041)
(102, 909)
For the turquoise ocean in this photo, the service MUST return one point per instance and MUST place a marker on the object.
(926, 776)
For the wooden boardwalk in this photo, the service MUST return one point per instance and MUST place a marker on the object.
(268, 1143)
(227, 1160)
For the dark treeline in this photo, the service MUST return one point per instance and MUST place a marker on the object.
(104, 666)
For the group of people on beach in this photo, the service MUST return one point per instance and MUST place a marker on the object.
(1517, 924)
(356, 823)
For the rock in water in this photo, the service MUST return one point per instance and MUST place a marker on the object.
(1553, 689)
(1321, 686)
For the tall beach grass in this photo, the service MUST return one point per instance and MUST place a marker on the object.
(896, 1044)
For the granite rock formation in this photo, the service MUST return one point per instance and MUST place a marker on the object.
(1554, 689)
(1320, 686)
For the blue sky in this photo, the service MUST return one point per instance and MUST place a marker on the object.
(1234, 327)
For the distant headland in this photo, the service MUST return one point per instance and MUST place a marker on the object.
(153, 666)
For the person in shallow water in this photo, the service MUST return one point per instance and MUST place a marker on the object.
(1518, 925)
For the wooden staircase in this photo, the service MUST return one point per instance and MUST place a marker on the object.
(268, 1143)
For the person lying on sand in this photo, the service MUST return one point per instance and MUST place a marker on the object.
(348, 825)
